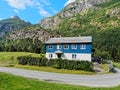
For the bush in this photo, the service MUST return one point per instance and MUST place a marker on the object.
(70, 64)
(56, 63)
(28, 60)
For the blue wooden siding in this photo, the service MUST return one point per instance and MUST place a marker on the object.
(70, 50)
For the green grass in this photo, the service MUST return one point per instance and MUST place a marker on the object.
(11, 82)
(116, 64)
(8, 58)
(49, 69)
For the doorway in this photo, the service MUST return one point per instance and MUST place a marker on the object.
(59, 55)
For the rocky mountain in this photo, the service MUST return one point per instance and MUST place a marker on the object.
(73, 8)
(10, 24)
(32, 32)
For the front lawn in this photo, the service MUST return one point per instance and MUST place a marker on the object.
(11, 82)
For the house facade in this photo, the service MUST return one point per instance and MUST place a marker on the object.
(71, 48)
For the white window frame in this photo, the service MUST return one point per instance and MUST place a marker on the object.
(59, 46)
(50, 46)
(82, 46)
(74, 56)
(67, 46)
(74, 46)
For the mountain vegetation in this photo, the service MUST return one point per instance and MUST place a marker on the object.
(103, 24)
(10, 24)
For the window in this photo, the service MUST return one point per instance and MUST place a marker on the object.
(50, 55)
(82, 46)
(59, 46)
(50, 46)
(74, 46)
(74, 56)
(66, 46)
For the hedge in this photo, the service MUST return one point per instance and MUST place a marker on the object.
(28, 60)
(56, 63)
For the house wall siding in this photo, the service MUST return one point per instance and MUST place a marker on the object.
(69, 56)
(70, 50)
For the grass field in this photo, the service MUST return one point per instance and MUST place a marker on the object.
(8, 58)
(11, 82)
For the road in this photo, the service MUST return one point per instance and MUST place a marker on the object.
(104, 80)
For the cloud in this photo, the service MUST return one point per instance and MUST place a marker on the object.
(53, 10)
(15, 10)
(20, 4)
(43, 6)
(0, 18)
(45, 2)
(44, 12)
(68, 2)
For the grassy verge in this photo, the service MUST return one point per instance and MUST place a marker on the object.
(11, 82)
(116, 64)
(49, 69)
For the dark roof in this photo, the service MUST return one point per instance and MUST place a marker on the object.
(82, 39)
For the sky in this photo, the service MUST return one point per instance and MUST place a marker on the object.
(31, 10)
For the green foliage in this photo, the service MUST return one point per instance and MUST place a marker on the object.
(23, 45)
(102, 24)
(56, 63)
(28, 60)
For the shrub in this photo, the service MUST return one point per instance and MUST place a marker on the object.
(56, 63)
(28, 60)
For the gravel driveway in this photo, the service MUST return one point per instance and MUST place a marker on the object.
(106, 80)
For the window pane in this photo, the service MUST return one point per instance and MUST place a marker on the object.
(82, 46)
(74, 46)
(66, 46)
(74, 56)
(59, 46)
(50, 55)
(50, 46)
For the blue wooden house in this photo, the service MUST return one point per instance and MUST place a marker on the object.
(71, 48)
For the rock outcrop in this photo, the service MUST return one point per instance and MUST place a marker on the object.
(70, 10)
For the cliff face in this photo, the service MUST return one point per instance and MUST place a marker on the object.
(70, 10)
(32, 32)
(10, 24)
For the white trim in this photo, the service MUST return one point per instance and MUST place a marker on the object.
(59, 46)
(82, 46)
(74, 46)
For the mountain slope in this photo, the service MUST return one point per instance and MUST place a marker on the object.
(10, 24)
(76, 7)
(101, 19)
(103, 23)
(32, 32)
